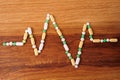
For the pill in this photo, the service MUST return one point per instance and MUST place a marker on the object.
(79, 52)
(43, 35)
(10, 43)
(19, 43)
(77, 61)
(113, 40)
(82, 39)
(35, 51)
(90, 31)
(42, 41)
(84, 27)
(45, 26)
(73, 62)
(68, 54)
(76, 66)
(66, 47)
(81, 44)
(32, 41)
(41, 46)
(33, 46)
(96, 40)
(25, 36)
(55, 25)
(52, 18)
(29, 30)
(59, 32)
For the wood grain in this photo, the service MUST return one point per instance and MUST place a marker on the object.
(99, 61)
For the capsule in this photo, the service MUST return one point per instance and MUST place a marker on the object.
(96, 40)
(84, 27)
(41, 46)
(25, 36)
(45, 26)
(66, 47)
(29, 30)
(77, 61)
(90, 31)
(19, 43)
(59, 32)
(81, 44)
(32, 41)
(73, 62)
(52, 18)
(35, 51)
(113, 40)
(43, 35)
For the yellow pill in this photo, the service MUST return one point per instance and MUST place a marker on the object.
(81, 44)
(84, 27)
(25, 36)
(32, 41)
(52, 18)
(90, 31)
(59, 32)
(43, 35)
(113, 40)
(73, 62)
(35, 51)
(96, 41)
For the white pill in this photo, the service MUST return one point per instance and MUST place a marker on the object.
(63, 39)
(7, 44)
(76, 66)
(45, 26)
(77, 61)
(79, 52)
(29, 30)
(82, 39)
(83, 33)
(66, 47)
(56, 28)
(101, 40)
(91, 39)
(54, 22)
(108, 40)
(48, 15)
(41, 47)
(33, 46)
(48, 18)
(39, 51)
(68, 54)
(19, 43)
(10, 43)
(88, 23)
(42, 41)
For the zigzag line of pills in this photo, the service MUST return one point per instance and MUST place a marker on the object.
(86, 26)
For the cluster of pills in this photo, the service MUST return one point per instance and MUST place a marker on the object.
(85, 27)
(63, 40)
(28, 32)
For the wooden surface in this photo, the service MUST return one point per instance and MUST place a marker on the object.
(99, 61)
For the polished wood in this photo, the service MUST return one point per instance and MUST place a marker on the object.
(98, 61)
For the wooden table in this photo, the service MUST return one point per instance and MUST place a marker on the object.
(98, 61)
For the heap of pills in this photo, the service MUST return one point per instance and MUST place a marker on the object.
(86, 26)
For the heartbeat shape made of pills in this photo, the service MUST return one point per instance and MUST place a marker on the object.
(28, 32)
